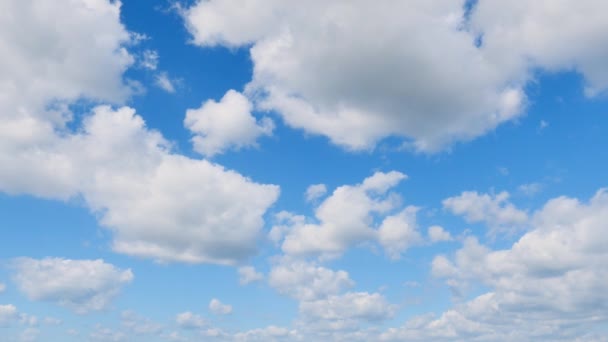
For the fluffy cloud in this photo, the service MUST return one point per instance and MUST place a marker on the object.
(324, 304)
(158, 204)
(81, 285)
(228, 124)
(218, 308)
(357, 72)
(351, 305)
(346, 219)
(46, 65)
(562, 35)
(315, 191)
(551, 279)
(437, 234)
(8, 313)
(494, 210)
(307, 281)
(398, 232)
(188, 320)
(270, 333)
(248, 274)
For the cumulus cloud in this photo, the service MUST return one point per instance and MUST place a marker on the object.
(307, 281)
(398, 232)
(551, 279)
(346, 219)
(248, 274)
(158, 204)
(8, 313)
(351, 305)
(189, 320)
(325, 304)
(227, 124)
(218, 308)
(80, 285)
(138, 194)
(438, 234)
(494, 210)
(325, 72)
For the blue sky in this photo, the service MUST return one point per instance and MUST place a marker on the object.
(328, 171)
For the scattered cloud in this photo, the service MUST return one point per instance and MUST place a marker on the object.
(248, 274)
(165, 83)
(218, 308)
(80, 285)
(333, 76)
(8, 313)
(315, 192)
(149, 59)
(346, 219)
(494, 210)
(438, 234)
(188, 320)
(530, 189)
(225, 125)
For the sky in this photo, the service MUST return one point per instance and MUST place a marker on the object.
(270, 170)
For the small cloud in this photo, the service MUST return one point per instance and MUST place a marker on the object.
(164, 82)
(188, 320)
(149, 60)
(503, 170)
(219, 308)
(438, 234)
(248, 274)
(543, 124)
(315, 191)
(530, 189)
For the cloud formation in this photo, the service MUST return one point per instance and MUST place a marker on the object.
(80, 285)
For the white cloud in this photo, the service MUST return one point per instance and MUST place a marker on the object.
(530, 189)
(158, 204)
(551, 279)
(218, 308)
(438, 234)
(270, 333)
(164, 82)
(8, 313)
(348, 217)
(188, 320)
(307, 281)
(248, 274)
(139, 325)
(104, 334)
(2, 287)
(224, 125)
(398, 232)
(315, 192)
(357, 72)
(80, 285)
(495, 210)
(352, 305)
(149, 59)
